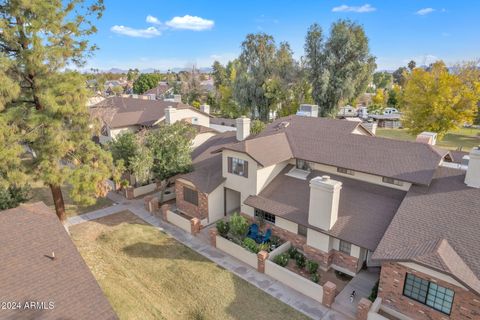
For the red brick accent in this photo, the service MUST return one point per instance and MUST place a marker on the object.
(212, 233)
(129, 193)
(345, 261)
(164, 208)
(195, 226)
(151, 203)
(191, 210)
(329, 293)
(466, 304)
(363, 307)
(261, 256)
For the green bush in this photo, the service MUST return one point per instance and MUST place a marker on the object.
(315, 277)
(223, 227)
(238, 226)
(312, 266)
(264, 247)
(292, 252)
(300, 260)
(281, 259)
(374, 293)
(250, 245)
(275, 241)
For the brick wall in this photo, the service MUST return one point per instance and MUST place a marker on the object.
(324, 259)
(466, 304)
(200, 211)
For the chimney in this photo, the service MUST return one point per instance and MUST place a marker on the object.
(324, 199)
(177, 98)
(170, 115)
(205, 108)
(427, 138)
(472, 178)
(243, 128)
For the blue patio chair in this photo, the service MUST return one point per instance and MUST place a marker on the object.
(266, 237)
(253, 231)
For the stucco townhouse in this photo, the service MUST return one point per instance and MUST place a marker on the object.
(349, 199)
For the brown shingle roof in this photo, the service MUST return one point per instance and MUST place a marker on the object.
(207, 165)
(331, 142)
(365, 210)
(119, 112)
(446, 220)
(28, 235)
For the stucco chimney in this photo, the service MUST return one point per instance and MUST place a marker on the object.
(205, 108)
(324, 199)
(170, 115)
(472, 178)
(177, 98)
(243, 128)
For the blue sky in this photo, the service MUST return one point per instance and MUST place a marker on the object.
(179, 33)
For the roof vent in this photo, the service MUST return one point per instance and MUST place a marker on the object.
(283, 125)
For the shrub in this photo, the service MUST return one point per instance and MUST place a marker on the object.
(312, 267)
(238, 226)
(374, 293)
(292, 252)
(250, 245)
(281, 259)
(315, 277)
(223, 227)
(300, 260)
(264, 247)
(275, 241)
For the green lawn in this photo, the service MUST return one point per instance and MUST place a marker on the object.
(467, 138)
(40, 192)
(146, 274)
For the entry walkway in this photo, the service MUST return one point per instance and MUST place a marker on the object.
(201, 244)
(362, 283)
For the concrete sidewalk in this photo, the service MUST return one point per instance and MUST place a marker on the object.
(200, 244)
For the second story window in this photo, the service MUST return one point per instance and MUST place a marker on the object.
(238, 166)
(345, 171)
(392, 181)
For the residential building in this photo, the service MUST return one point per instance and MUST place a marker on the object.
(161, 91)
(128, 114)
(42, 275)
(348, 199)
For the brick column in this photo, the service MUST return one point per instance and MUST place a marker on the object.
(146, 202)
(195, 226)
(212, 233)
(261, 257)
(129, 193)
(329, 290)
(164, 208)
(362, 309)
(154, 204)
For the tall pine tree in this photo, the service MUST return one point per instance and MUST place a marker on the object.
(42, 104)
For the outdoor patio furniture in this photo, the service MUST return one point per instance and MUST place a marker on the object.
(265, 238)
(253, 231)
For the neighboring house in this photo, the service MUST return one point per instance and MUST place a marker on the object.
(392, 121)
(121, 114)
(160, 91)
(347, 198)
(223, 124)
(347, 111)
(41, 266)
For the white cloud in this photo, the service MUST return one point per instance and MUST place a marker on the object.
(424, 11)
(149, 32)
(188, 22)
(361, 9)
(153, 20)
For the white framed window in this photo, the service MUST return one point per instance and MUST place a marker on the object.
(238, 166)
(392, 181)
(345, 171)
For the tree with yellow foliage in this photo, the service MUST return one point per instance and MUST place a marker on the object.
(437, 100)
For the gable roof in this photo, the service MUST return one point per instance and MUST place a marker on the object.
(332, 142)
(160, 89)
(438, 228)
(119, 112)
(28, 236)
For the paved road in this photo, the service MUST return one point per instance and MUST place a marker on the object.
(200, 244)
